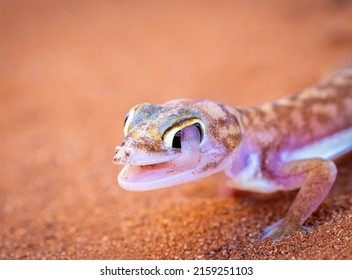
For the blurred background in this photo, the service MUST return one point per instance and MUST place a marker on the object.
(71, 70)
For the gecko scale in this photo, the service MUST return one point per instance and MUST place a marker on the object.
(283, 145)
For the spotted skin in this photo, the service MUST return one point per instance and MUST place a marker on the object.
(282, 145)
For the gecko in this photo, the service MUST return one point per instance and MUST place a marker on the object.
(287, 144)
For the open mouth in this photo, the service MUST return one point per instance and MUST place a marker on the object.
(158, 175)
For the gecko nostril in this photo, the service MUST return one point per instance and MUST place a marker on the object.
(116, 158)
(128, 152)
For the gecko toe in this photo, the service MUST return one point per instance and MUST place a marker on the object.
(268, 231)
(280, 230)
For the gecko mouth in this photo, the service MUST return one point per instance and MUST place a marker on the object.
(153, 176)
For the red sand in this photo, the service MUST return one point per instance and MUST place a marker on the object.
(69, 72)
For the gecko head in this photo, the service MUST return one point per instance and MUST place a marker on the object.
(176, 142)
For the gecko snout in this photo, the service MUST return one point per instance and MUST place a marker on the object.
(121, 155)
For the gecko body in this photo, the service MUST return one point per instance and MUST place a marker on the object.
(283, 145)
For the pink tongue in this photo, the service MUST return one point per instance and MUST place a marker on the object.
(190, 139)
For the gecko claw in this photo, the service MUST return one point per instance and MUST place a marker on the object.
(280, 230)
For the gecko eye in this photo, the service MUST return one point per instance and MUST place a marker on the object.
(172, 136)
(128, 120)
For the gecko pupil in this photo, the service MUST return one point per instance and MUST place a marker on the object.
(176, 141)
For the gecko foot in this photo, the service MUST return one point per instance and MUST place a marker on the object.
(280, 230)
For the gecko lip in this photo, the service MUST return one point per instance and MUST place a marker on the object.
(150, 176)
(128, 156)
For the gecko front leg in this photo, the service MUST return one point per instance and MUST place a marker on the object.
(315, 177)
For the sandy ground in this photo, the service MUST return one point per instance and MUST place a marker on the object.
(70, 71)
